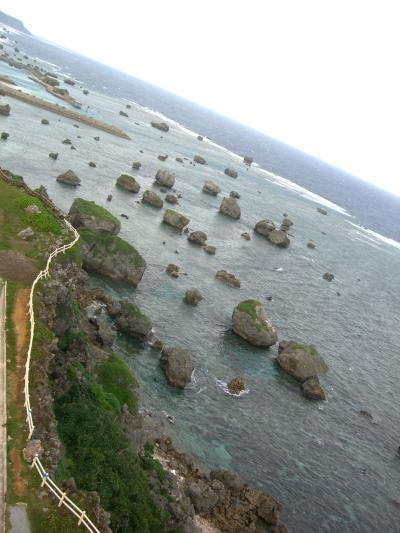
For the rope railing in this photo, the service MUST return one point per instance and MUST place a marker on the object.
(62, 497)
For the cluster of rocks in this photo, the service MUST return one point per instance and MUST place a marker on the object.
(267, 229)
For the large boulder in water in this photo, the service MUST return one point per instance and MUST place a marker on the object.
(199, 159)
(302, 361)
(250, 321)
(197, 237)
(279, 238)
(177, 366)
(69, 178)
(151, 198)
(230, 207)
(175, 219)
(129, 319)
(5, 110)
(110, 256)
(313, 390)
(231, 173)
(162, 126)
(264, 227)
(210, 187)
(128, 183)
(87, 214)
(165, 178)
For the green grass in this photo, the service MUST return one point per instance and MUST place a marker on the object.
(90, 208)
(116, 379)
(249, 307)
(134, 311)
(105, 244)
(309, 348)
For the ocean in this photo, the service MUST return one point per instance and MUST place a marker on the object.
(332, 468)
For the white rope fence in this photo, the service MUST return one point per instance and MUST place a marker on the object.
(62, 497)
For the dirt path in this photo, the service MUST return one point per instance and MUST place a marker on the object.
(3, 405)
(21, 331)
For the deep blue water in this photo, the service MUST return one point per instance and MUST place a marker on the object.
(373, 208)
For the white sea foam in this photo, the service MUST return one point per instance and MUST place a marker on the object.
(375, 237)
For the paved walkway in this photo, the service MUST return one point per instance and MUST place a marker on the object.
(3, 406)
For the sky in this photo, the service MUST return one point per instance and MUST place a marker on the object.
(320, 75)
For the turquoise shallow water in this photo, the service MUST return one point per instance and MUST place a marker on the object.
(331, 468)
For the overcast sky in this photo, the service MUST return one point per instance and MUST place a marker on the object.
(321, 75)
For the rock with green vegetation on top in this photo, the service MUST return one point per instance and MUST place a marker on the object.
(69, 178)
(302, 361)
(129, 320)
(175, 219)
(87, 214)
(110, 256)
(250, 321)
(128, 183)
(177, 366)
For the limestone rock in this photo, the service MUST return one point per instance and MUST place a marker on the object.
(210, 187)
(5, 110)
(193, 296)
(246, 236)
(162, 157)
(151, 198)
(313, 390)
(160, 126)
(234, 194)
(172, 270)
(87, 214)
(230, 207)
(26, 234)
(171, 199)
(209, 249)
(279, 238)
(264, 227)
(165, 178)
(328, 276)
(250, 321)
(236, 385)
(228, 278)
(199, 159)
(177, 366)
(231, 173)
(302, 361)
(69, 178)
(33, 448)
(128, 183)
(197, 237)
(175, 219)
(130, 320)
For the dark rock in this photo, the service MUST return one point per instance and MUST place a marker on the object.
(328, 276)
(85, 92)
(4, 135)
(68, 81)
(322, 210)
(179, 159)
(157, 345)
(128, 183)
(228, 278)
(230, 207)
(313, 390)
(92, 164)
(236, 385)
(160, 126)
(199, 159)
(96, 138)
(209, 249)
(175, 219)
(45, 121)
(302, 361)
(246, 236)
(171, 199)
(129, 320)
(123, 114)
(193, 297)
(197, 237)
(231, 173)
(210, 187)
(136, 165)
(250, 321)
(311, 244)
(247, 160)
(234, 194)
(279, 238)
(162, 157)
(67, 141)
(172, 270)
(69, 178)
(199, 138)
(269, 510)
(151, 198)
(109, 198)
(177, 366)
(264, 227)
(165, 178)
